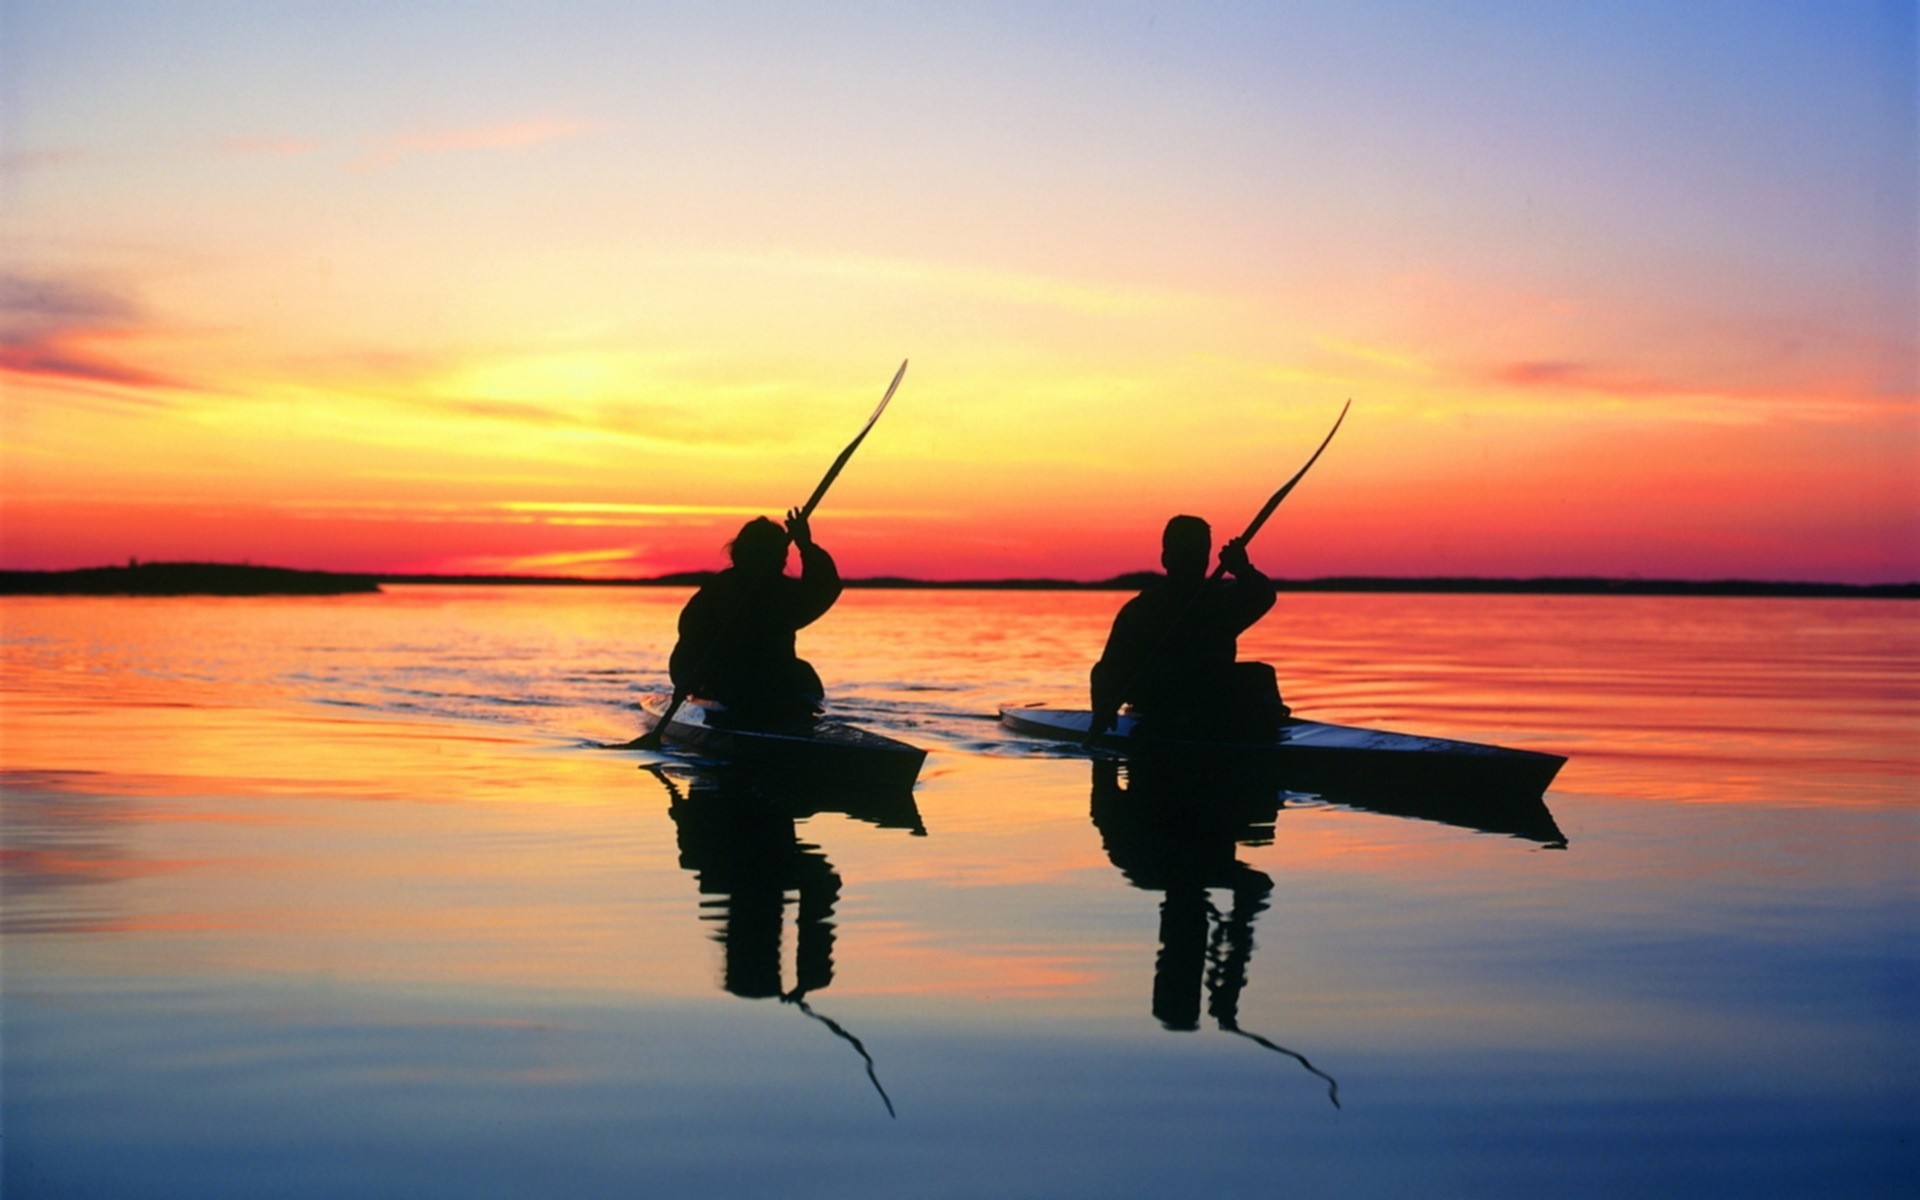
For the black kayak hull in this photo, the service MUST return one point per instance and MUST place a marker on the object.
(1489, 788)
(822, 752)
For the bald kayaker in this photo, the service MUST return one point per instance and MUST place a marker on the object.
(737, 632)
(1171, 655)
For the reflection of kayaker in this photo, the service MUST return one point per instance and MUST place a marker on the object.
(1171, 654)
(1177, 831)
(737, 643)
(747, 854)
(1181, 842)
(742, 843)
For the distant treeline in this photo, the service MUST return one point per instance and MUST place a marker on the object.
(226, 579)
(184, 579)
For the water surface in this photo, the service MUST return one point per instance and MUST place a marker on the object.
(329, 897)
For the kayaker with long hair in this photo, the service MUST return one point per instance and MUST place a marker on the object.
(737, 632)
(1172, 652)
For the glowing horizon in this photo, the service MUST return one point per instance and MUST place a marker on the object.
(1621, 292)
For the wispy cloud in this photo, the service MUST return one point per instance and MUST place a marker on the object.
(1575, 375)
(25, 299)
(74, 362)
(511, 135)
(615, 514)
(66, 331)
(1839, 396)
(647, 420)
(612, 563)
(987, 283)
(29, 160)
(268, 147)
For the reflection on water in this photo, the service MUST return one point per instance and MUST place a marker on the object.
(314, 898)
(1174, 828)
(738, 835)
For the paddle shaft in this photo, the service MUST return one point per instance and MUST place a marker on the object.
(652, 737)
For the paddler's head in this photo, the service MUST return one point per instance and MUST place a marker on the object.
(760, 548)
(1185, 548)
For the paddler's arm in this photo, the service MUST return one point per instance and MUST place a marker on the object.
(1252, 592)
(819, 577)
(1108, 680)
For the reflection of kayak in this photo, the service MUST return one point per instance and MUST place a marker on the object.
(1340, 755)
(822, 751)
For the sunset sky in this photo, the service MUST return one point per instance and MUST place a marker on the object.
(1622, 289)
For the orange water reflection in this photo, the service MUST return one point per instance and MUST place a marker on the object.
(267, 786)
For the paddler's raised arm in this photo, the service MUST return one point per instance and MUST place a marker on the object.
(1253, 593)
(819, 577)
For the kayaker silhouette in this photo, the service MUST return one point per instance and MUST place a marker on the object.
(737, 645)
(1171, 653)
(1176, 828)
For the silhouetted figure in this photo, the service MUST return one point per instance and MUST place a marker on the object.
(737, 633)
(1171, 654)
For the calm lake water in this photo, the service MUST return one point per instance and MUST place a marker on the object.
(332, 897)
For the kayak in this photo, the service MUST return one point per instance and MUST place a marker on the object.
(830, 752)
(1336, 755)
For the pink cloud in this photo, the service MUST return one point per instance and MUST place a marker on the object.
(268, 147)
(53, 328)
(512, 135)
(64, 361)
(28, 160)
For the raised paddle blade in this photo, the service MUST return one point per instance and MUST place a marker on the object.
(882, 406)
(833, 472)
(1274, 500)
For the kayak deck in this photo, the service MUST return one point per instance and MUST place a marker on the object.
(1342, 754)
(822, 751)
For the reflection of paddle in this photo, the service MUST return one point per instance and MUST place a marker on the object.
(1233, 963)
(1333, 1085)
(1098, 725)
(650, 740)
(798, 1001)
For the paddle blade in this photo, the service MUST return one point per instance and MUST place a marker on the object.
(882, 406)
(1273, 501)
(833, 472)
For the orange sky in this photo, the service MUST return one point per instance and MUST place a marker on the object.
(486, 289)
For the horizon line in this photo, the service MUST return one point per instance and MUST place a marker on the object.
(1126, 581)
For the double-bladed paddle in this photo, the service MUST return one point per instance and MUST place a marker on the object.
(650, 740)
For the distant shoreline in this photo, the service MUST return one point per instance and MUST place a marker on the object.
(229, 579)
